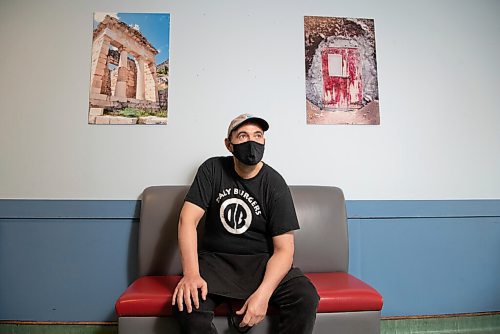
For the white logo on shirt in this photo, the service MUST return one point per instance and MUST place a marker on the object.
(235, 215)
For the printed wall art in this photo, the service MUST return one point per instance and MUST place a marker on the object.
(129, 72)
(341, 71)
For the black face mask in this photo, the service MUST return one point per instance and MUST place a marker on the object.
(250, 152)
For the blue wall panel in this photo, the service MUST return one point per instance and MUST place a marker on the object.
(70, 260)
(65, 269)
(429, 266)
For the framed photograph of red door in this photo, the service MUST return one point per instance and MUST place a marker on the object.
(341, 71)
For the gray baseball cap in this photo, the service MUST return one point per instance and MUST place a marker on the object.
(246, 118)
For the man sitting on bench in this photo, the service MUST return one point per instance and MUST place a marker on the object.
(247, 248)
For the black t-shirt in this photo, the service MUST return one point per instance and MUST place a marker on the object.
(241, 218)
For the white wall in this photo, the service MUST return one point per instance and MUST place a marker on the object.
(438, 71)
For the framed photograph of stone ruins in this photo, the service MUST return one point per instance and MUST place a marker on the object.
(129, 72)
(341, 71)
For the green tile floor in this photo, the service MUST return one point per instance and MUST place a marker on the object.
(476, 324)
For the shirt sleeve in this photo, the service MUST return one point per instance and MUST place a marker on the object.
(283, 217)
(200, 192)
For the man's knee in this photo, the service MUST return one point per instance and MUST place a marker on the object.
(302, 295)
(298, 302)
(196, 321)
(307, 296)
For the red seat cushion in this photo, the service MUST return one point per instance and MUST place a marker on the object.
(342, 292)
(339, 292)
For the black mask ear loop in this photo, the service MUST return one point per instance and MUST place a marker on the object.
(229, 140)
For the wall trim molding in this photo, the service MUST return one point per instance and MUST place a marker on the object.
(484, 322)
(356, 209)
(69, 209)
(389, 209)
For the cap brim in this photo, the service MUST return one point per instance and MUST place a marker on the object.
(261, 122)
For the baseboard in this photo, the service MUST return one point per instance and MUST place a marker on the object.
(35, 327)
(467, 323)
(477, 323)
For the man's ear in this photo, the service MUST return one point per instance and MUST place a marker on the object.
(228, 144)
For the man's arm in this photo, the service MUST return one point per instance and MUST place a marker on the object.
(187, 288)
(279, 264)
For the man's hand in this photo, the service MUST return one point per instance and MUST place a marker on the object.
(279, 264)
(254, 309)
(187, 290)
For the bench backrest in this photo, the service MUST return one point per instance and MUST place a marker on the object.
(321, 244)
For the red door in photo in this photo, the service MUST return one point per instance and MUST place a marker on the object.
(342, 86)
